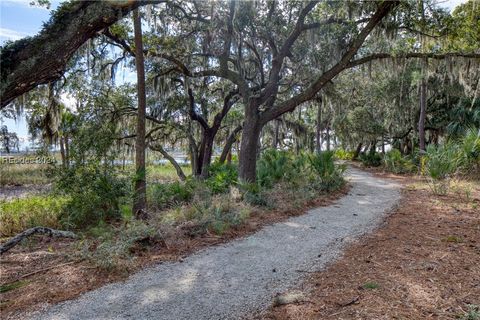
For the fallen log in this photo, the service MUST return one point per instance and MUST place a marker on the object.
(36, 230)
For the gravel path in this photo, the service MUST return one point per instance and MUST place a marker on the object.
(238, 279)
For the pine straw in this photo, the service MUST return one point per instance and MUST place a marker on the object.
(66, 281)
(425, 261)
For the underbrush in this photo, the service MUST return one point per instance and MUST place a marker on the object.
(112, 247)
(93, 200)
(396, 163)
(19, 214)
(371, 159)
(341, 154)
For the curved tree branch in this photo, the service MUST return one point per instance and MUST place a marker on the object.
(41, 59)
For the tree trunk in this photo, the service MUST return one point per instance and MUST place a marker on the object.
(421, 121)
(62, 152)
(139, 201)
(209, 136)
(276, 134)
(357, 151)
(249, 146)
(318, 135)
(226, 152)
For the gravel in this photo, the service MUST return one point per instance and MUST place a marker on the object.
(239, 279)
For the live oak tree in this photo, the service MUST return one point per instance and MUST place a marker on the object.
(278, 55)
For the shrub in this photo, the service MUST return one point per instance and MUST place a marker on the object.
(166, 195)
(23, 213)
(469, 151)
(208, 214)
(341, 154)
(371, 159)
(112, 247)
(441, 161)
(329, 173)
(221, 177)
(95, 194)
(396, 163)
(274, 166)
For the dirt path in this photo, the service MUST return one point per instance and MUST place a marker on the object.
(240, 278)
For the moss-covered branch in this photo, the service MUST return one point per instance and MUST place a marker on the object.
(32, 61)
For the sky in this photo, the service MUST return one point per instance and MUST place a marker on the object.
(19, 19)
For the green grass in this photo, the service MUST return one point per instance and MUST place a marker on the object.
(13, 285)
(23, 213)
(371, 285)
(21, 174)
(473, 313)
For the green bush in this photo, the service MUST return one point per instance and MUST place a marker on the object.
(274, 166)
(95, 194)
(221, 177)
(396, 163)
(371, 159)
(23, 213)
(329, 173)
(468, 156)
(166, 195)
(441, 161)
(341, 154)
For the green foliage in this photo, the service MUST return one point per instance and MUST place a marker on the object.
(23, 213)
(274, 166)
(442, 161)
(371, 159)
(221, 177)
(330, 175)
(95, 194)
(473, 313)
(341, 154)
(468, 152)
(166, 195)
(13, 285)
(371, 285)
(396, 163)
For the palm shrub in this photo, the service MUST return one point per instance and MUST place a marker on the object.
(165, 195)
(273, 166)
(396, 163)
(221, 177)
(441, 162)
(330, 175)
(469, 150)
(371, 159)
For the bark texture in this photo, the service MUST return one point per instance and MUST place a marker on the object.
(29, 62)
(36, 230)
(140, 201)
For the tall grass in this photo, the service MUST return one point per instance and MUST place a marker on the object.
(23, 213)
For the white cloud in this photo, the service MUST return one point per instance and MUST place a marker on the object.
(10, 34)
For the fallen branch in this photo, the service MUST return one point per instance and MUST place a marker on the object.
(48, 268)
(36, 230)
